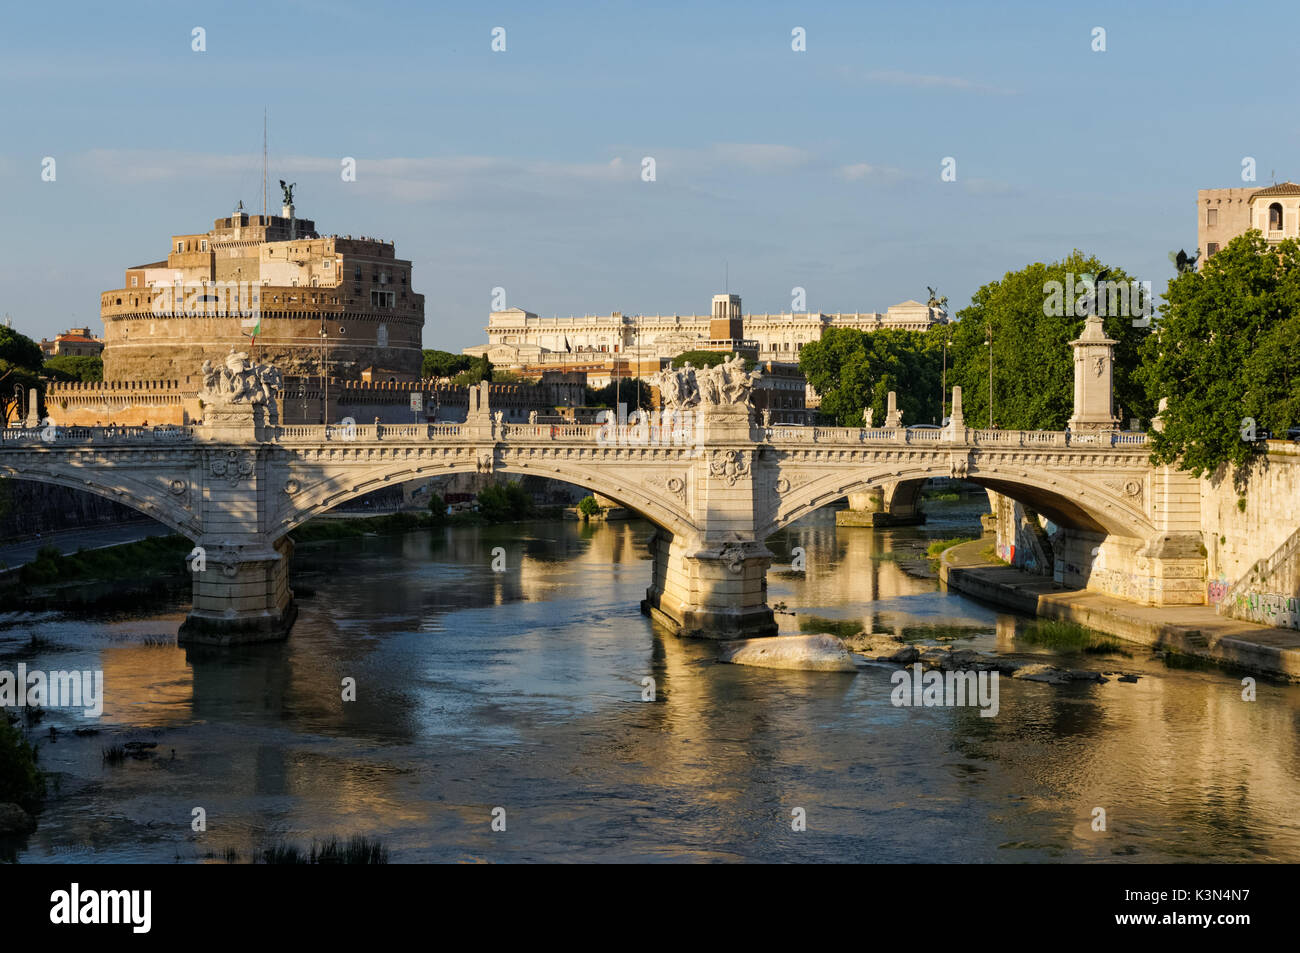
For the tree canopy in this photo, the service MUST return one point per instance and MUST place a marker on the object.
(1227, 349)
(440, 364)
(853, 370)
(74, 367)
(1033, 363)
(20, 365)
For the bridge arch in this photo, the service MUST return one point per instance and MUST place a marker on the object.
(154, 501)
(315, 498)
(1067, 501)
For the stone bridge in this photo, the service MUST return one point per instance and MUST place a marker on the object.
(714, 480)
(715, 489)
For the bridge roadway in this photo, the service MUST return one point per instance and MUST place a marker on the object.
(715, 490)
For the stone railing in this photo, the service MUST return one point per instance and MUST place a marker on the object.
(603, 434)
(966, 437)
(95, 436)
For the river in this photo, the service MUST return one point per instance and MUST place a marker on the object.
(522, 690)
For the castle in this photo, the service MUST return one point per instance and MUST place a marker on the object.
(272, 286)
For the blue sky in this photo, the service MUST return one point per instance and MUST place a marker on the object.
(522, 169)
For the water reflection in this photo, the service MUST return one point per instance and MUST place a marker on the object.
(522, 689)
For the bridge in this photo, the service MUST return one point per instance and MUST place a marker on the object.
(715, 482)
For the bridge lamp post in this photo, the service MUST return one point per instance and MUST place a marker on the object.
(943, 385)
(324, 381)
(988, 343)
(18, 403)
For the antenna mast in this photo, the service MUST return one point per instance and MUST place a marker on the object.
(263, 163)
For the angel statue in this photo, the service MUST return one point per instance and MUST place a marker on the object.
(288, 191)
(935, 301)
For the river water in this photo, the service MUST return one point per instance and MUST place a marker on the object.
(522, 690)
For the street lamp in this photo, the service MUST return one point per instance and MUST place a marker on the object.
(988, 343)
(18, 403)
(943, 386)
(324, 379)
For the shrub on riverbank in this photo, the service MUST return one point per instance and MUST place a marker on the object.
(358, 849)
(21, 782)
(939, 545)
(505, 503)
(1069, 637)
(588, 507)
(127, 561)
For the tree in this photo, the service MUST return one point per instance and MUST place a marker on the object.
(1225, 354)
(505, 502)
(630, 390)
(20, 364)
(699, 359)
(479, 369)
(441, 364)
(853, 370)
(19, 350)
(73, 367)
(1034, 314)
(437, 509)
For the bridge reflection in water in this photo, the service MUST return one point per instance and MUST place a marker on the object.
(525, 691)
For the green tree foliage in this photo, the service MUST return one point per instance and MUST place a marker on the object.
(439, 364)
(505, 502)
(853, 370)
(588, 507)
(1227, 347)
(479, 369)
(437, 509)
(700, 358)
(20, 364)
(632, 391)
(19, 350)
(73, 367)
(1033, 363)
(21, 782)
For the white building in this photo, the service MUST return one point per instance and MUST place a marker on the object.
(519, 338)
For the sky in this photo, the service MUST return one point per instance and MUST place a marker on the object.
(522, 168)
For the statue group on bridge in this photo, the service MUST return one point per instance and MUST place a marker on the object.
(726, 384)
(239, 380)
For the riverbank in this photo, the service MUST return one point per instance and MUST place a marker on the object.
(1197, 631)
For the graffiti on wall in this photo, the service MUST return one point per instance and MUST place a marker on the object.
(1216, 590)
(1269, 608)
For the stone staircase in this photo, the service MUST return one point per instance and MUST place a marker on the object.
(1274, 578)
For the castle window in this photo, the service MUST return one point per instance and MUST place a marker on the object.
(328, 264)
(1211, 217)
(356, 274)
(180, 247)
(1275, 217)
(203, 245)
(135, 281)
(1211, 248)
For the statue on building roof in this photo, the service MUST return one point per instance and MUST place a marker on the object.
(288, 191)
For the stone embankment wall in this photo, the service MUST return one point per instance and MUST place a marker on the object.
(1249, 546)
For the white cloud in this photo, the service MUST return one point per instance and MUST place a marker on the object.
(921, 81)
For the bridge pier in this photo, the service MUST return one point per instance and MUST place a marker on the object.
(712, 591)
(241, 595)
(894, 504)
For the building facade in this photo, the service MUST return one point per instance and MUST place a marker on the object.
(273, 286)
(77, 342)
(517, 337)
(1223, 214)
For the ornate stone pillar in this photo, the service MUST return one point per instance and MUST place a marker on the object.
(713, 583)
(1094, 359)
(241, 573)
